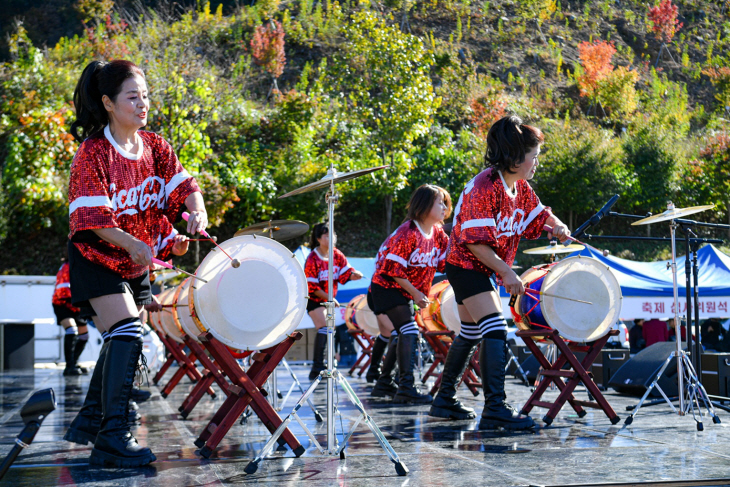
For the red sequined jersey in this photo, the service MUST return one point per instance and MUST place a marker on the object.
(489, 214)
(132, 192)
(62, 292)
(316, 268)
(412, 255)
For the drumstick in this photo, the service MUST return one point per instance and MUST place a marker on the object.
(234, 262)
(172, 305)
(170, 266)
(605, 253)
(213, 239)
(533, 291)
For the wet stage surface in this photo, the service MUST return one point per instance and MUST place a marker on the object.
(659, 448)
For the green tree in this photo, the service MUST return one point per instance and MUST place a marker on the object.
(382, 76)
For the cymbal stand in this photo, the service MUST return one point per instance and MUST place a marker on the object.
(686, 374)
(333, 377)
(296, 383)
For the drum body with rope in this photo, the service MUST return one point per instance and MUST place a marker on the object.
(253, 306)
(166, 319)
(442, 312)
(181, 310)
(359, 316)
(581, 278)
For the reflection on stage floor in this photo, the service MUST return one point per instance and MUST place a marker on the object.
(659, 448)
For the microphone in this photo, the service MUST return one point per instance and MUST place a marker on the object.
(604, 211)
(595, 218)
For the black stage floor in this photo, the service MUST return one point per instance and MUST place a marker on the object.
(659, 448)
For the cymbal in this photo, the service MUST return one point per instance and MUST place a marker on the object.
(554, 249)
(672, 214)
(278, 230)
(332, 176)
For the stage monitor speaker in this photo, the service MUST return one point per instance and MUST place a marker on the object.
(637, 374)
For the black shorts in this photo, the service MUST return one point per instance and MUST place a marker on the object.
(90, 280)
(312, 305)
(467, 282)
(386, 299)
(371, 303)
(62, 313)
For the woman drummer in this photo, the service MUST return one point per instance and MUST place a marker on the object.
(123, 182)
(316, 268)
(494, 211)
(416, 251)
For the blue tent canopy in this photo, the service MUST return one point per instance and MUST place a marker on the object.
(655, 278)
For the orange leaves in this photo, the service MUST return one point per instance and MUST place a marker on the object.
(267, 48)
(596, 61)
(486, 109)
(664, 20)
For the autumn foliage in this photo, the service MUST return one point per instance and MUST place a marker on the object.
(486, 109)
(664, 20)
(596, 61)
(267, 47)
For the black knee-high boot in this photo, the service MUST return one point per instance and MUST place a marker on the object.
(385, 385)
(407, 390)
(85, 426)
(115, 446)
(497, 413)
(78, 350)
(376, 359)
(320, 343)
(446, 404)
(69, 344)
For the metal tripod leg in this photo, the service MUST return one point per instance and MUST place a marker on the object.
(695, 392)
(298, 384)
(254, 464)
(400, 467)
(512, 358)
(654, 384)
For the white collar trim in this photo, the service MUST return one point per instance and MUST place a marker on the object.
(124, 153)
(507, 190)
(426, 235)
(320, 255)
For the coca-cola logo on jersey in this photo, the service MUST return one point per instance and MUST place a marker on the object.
(514, 224)
(150, 193)
(323, 276)
(424, 259)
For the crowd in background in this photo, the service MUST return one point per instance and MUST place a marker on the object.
(645, 333)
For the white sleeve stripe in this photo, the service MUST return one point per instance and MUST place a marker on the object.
(176, 181)
(397, 259)
(533, 214)
(167, 239)
(89, 202)
(481, 222)
(63, 284)
(313, 279)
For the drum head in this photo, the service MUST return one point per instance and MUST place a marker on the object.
(182, 311)
(365, 317)
(586, 279)
(167, 320)
(450, 310)
(256, 305)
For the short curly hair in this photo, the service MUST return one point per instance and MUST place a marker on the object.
(508, 141)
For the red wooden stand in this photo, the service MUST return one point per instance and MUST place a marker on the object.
(211, 373)
(366, 344)
(170, 344)
(245, 390)
(186, 367)
(553, 373)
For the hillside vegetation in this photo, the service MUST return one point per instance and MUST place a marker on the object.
(261, 99)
